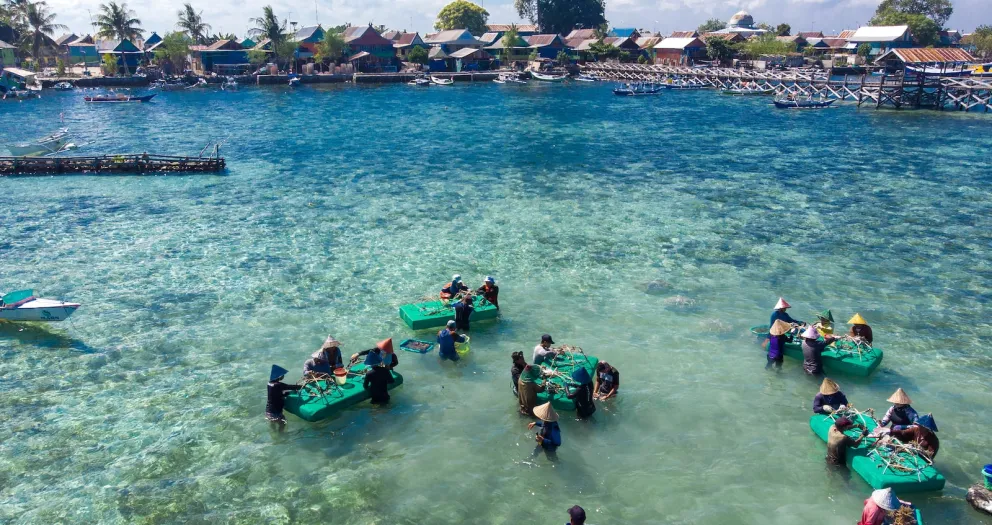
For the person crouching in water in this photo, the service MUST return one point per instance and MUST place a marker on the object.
(446, 340)
(838, 441)
(377, 380)
(860, 329)
(528, 388)
(276, 401)
(607, 381)
(582, 395)
(549, 437)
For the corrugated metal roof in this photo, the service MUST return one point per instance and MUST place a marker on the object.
(436, 52)
(489, 38)
(584, 34)
(879, 33)
(835, 43)
(648, 42)
(541, 40)
(453, 36)
(583, 45)
(4, 45)
(500, 28)
(683, 34)
(810, 34)
(391, 35)
(406, 39)
(846, 34)
(624, 31)
(306, 32)
(679, 43)
(65, 39)
(919, 55)
(469, 51)
(501, 44)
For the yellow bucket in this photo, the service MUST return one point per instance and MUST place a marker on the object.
(462, 348)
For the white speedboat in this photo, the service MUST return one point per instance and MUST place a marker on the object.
(585, 78)
(229, 84)
(64, 86)
(22, 305)
(420, 82)
(442, 81)
(547, 78)
(49, 145)
(294, 82)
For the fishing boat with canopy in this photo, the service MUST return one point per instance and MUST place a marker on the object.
(848, 355)
(22, 305)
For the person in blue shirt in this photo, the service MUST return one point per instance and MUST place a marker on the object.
(549, 437)
(463, 312)
(446, 342)
(576, 516)
(779, 314)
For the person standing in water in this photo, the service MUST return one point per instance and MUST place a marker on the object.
(779, 314)
(516, 369)
(446, 340)
(463, 312)
(275, 402)
(490, 291)
(582, 395)
(549, 437)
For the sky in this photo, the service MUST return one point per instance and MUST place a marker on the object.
(665, 16)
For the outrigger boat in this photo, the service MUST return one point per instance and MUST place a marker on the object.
(22, 305)
(119, 97)
(547, 78)
(684, 86)
(54, 143)
(749, 91)
(634, 90)
(802, 104)
(441, 81)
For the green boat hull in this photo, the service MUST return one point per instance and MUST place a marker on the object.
(309, 405)
(873, 469)
(559, 399)
(835, 361)
(436, 314)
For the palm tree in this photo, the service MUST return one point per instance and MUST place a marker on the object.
(268, 26)
(41, 22)
(192, 23)
(117, 22)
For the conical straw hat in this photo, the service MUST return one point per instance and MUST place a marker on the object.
(900, 398)
(857, 319)
(781, 304)
(546, 412)
(886, 499)
(330, 342)
(829, 386)
(780, 327)
(811, 333)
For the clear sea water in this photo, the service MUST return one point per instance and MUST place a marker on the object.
(342, 203)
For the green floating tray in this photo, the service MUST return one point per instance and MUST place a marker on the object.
(564, 365)
(872, 468)
(434, 314)
(835, 361)
(311, 406)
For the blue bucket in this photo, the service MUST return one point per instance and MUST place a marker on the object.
(987, 471)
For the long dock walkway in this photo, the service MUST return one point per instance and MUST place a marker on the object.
(138, 163)
(898, 91)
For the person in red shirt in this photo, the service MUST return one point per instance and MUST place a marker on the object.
(878, 506)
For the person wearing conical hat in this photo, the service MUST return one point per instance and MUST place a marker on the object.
(317, 365)
(825, 323)
(879, 505)
(860, 328)
(582, 395)
(383, 350)
(332, 349)
(776, 343)
(779, 314)
(901, 413)
(813, 348)
(378, 379)
(550, 435)
(829, 398)
(923, 432)
(275, 402)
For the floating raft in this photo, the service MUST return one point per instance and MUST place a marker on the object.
(431, 314)
(564, 364)
(837, 358)
(309, 405)
(873, 469)
(127, 163)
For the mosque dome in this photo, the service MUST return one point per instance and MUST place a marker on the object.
(741, 19)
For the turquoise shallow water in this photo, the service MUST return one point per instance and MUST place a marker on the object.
(342, 203)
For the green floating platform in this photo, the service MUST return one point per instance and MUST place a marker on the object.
(835, 360)
(308, 405)
(872, 468)
(436, 314)
(565, 365)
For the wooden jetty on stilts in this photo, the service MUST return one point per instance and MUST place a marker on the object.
(130, 163)
(895, 91)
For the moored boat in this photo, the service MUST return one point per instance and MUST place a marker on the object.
(433, 314)
(64, 86)
(51, 144)
(22, 305)
(230, 84)
(841, 357)
(633, 90)
(547, 78)
(118, 97)
(420, 81)
(165, 85)
(882, 463)
(585, 78)
(323, 399)
(803, 104)
(441, 81)
(749, 91)
(684, 86)
(294, 82)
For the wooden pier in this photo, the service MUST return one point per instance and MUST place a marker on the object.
(895, 91)
(131, 163)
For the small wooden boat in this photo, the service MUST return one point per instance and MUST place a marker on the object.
(547, 78)
(19, 94)
(585, 78)
(684, 86)
(51, 144)
(749, 91)
(420, 82)
(22, 305)
(119, 97)
(636, 90)
(499, 81)
(802, 104)
(442, 81)
(165, 85)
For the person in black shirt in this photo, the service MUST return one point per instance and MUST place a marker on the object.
(463, 311)
(490, 291)
(377, 380)
(276, 397)
(518, 366)
(607, 381)
(582, 394)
